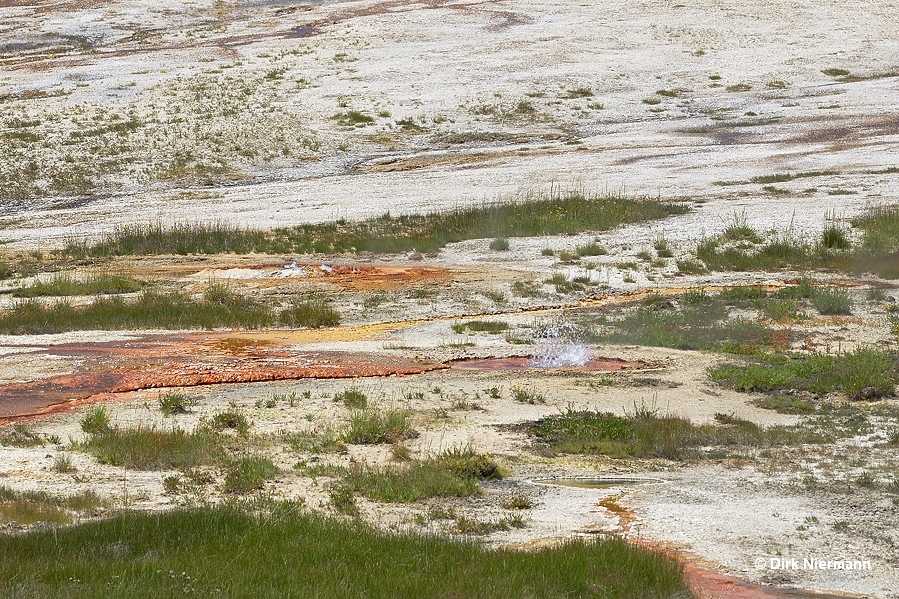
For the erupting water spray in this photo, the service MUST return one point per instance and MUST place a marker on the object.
(560, 345)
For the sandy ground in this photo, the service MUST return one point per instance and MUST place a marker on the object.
(226, 111)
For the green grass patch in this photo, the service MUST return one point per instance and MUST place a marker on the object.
(646, 434)
(785, 404)
(453, 473)
(353, 398)
(67, 284)
(551, 213)
(699, 322)
(248, 473)
(30, 507)
(741, 248)
(863, 373)
(149, 448)
(371, 426)
(283, 552)
(218, 308)
(480, 326)
(313, 313)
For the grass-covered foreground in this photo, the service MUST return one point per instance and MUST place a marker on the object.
(226, 552)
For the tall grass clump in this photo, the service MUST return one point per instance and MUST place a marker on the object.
(248, 473)
(548, 213)
(286, 552)
(879, 247)
(371, 426)
(313, 313)
(149, 448)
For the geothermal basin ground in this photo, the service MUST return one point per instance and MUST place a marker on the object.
(228, 221)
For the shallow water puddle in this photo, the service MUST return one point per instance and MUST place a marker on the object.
(601, 482)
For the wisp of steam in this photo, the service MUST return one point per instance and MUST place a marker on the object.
(560, 345)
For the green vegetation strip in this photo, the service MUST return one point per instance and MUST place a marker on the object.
(862, 374)
(29, 507)
(741, 248)
(66, 284)
(553, 213)
(284, 553)
(646, 434)
(219, 307)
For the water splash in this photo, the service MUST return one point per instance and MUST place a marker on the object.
(560, 345)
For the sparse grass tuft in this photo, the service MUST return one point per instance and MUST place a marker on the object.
(231, 419)
(527, 395)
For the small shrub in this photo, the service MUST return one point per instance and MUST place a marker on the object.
(248, 473)
(231, 419)
(352, 398)
(591, 249)
(690, 267)
(526, 289)
(527, 395)
(832, 300)
(468, 464)
(313, 313)
(176, 403)
(499, 244)
(95, 421)
(371, 426)
(547, 252)
(171, 484)
(834, 238)
(343, 501)
(518, 501)
(63, 464)
(494, 392)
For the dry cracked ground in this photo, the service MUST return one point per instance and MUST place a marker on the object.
(754, 115)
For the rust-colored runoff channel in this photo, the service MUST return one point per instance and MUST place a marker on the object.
(185, 361)
(703, 580)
